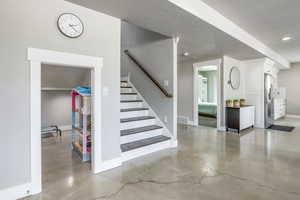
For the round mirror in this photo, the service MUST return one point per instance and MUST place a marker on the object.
(234, 78)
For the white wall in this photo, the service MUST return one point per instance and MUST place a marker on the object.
(32, 23)
(230, 93)
(185, 90)
(255, 88)
(155, 53)
(289, 79)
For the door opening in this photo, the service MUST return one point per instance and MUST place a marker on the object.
(37, 58)
(207, 94)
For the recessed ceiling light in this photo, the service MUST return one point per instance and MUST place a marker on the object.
(286, 38)
(186, 54)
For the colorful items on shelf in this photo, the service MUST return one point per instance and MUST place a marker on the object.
(81, 122)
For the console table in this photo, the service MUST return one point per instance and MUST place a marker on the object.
(240, 118)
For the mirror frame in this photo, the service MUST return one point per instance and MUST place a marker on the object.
(230, 78)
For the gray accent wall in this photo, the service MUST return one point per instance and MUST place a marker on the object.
(155, 53)
(32, 23)
(289, 79)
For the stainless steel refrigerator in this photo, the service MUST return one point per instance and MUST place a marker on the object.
(269, 100)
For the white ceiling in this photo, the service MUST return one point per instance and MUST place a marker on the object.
(200, 39)
(267, 20)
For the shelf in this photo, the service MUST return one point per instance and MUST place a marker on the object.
(56, 89)
(81, 113)
(78, 149)
(81, 131)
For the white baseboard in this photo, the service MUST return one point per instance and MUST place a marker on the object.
(185, 121)
(222, 128)
(293, 116)
(15, 192)
(110, 164)
(174, 143)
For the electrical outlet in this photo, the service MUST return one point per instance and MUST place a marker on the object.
(166, 119)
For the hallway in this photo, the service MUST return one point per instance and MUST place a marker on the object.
(259, 164)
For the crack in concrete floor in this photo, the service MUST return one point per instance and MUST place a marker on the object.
(198, 182)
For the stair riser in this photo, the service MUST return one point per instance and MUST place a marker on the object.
(134, 114)
(124, 84)
(131, 105)
(124, 90)
(140, 136)
(145, 150)
(137, 124)
(129, 97)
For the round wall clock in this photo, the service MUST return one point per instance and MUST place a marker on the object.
(70, 25)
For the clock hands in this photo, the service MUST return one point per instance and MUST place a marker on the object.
(72, 26)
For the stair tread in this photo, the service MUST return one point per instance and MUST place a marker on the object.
(133, 109)
(132, 119)
(126, 87)
(128, 93)
(139, 130)
(144, 142)
(131, 101)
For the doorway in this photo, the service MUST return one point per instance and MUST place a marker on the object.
(207, 94)
(66, 123)
(37, 58)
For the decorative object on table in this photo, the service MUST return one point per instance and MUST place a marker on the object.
(81, 122)
(234, 78)
(236, 103)
(242, 102)
(70, 25)
(229, 103)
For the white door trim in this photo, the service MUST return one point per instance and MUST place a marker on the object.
(37, 57)
(196, 67)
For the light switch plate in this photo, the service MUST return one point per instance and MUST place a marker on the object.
(105, 91)
(166, 119)
(166, 83)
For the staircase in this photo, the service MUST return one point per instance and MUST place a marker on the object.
(141, 131)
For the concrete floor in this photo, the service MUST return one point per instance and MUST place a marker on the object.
(260, 164)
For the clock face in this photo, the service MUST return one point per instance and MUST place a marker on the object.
(70, 25)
